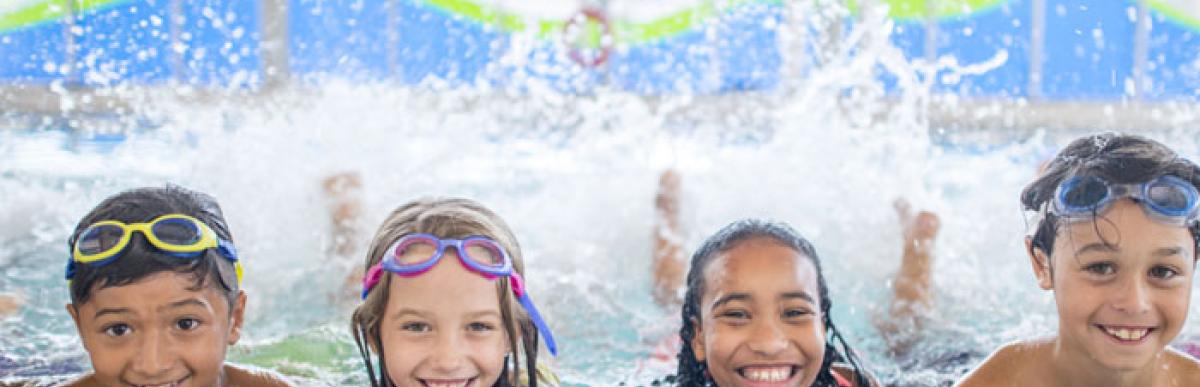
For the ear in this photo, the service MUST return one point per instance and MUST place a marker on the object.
(698, 341)
(1041, 265)
(237, 316)
(75, 317)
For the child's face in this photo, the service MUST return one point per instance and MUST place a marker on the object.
(158, 331)
(760, 317)
(1120, 304)
(443, 328)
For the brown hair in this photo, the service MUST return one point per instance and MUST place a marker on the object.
(446, 218)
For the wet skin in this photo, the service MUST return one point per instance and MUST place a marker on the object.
(1122, 285)
(443, 328)
(159, 330)
(760, 317)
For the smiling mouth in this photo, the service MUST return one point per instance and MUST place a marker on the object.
(176, 383)
(447, 382)
(768, 374)
(1126, 334)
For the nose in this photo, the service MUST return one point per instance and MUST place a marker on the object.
(448, 355)
(1132, 297)
(767, 338)
(155, 357)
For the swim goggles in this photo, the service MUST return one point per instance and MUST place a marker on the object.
(175, 235)
(414, 254)
(1168, 199)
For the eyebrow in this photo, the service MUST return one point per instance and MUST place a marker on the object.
(1168, 251)
(801, 295)
(484, 313)
(186, 302)
(731, 297)
(104, 311)
(404, 312)
(1096, 247)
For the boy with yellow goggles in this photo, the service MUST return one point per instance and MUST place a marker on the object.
(176, 235)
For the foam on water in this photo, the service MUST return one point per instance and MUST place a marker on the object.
(575, 176)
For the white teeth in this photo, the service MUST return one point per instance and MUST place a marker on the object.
(768, 375)
(448, 384)
(1127, 334)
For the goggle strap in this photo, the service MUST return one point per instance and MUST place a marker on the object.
(539, 323)
(226, 248)
(372, 278)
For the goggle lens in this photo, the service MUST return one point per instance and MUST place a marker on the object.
(484, 252)
(415, 251)
(100, 238)
(1085, 194)
(176, 232)
(1169, 197)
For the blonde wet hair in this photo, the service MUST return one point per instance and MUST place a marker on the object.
(453, 218)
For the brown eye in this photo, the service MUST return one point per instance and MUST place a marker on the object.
(118, 330)
(1163, 272)
(1101, 268)
(187, 324)
(797, 313)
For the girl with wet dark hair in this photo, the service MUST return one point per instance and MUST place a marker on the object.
(757, 310)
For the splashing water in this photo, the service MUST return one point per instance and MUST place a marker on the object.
(574, 174)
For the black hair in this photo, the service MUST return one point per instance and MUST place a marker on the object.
(141, 259)
(693, 373)
(1117, 158)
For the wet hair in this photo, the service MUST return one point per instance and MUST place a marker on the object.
(694, 373)
(1117, 158)
(142, 259)
(446, 218)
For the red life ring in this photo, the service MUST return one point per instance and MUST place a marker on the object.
(588, 15)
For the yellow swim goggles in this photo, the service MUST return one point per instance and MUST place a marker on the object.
(176, 235)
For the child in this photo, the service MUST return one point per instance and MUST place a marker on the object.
(456, 312)
(756, 312)
(1116, 243)
(155, 292)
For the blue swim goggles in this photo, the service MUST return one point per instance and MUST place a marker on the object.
(1168, 199)
(415, 254)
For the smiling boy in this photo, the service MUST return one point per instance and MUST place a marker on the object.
(155, 292)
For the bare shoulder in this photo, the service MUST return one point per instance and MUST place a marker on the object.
(242, 376)
(847, 372)
(1014, 364)
(87, 380)
(1185, 370)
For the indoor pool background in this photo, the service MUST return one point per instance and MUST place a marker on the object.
(570, 158)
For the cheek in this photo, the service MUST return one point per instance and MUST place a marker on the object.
(489, 354)
(401, 363)
(721, 342)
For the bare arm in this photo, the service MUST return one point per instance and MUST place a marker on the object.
(912, 287)
(668, 253)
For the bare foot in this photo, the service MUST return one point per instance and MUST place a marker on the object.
(343, 192)
(912, 287)
(668, 241)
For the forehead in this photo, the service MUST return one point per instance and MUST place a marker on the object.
(154, 291)
(760, 265)
(1127, 227)
(446, 286)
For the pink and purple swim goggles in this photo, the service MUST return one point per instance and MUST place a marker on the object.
(414, 254)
